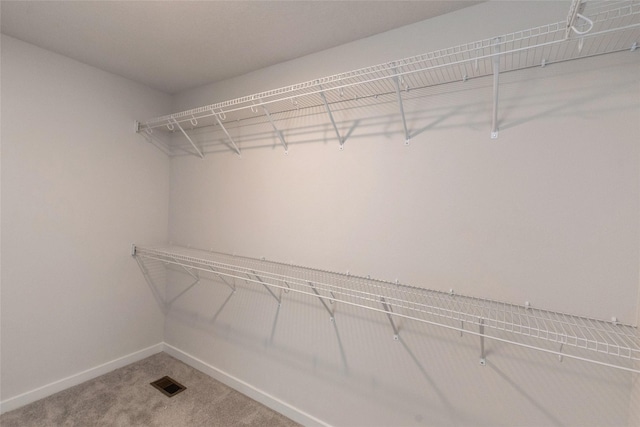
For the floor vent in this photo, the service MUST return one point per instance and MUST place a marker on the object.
(168, 386)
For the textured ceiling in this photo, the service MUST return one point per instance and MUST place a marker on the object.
(177, 45)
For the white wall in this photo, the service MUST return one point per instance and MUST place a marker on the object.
(634, 406)
(548, 213)
(78, 187)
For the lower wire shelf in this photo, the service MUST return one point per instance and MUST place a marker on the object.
(605, 343)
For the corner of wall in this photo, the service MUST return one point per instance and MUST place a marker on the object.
(70, 381)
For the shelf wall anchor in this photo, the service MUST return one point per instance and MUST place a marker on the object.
(483, 360)
(235, 147)
(389, 311)
(496, 74)
(333, 122)
(315, 291)
(195, 147)
(278, 132)
(399, 96)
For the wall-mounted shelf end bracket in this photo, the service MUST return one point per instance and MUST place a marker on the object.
(396, 81)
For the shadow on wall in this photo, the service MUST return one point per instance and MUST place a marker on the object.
(525, 96)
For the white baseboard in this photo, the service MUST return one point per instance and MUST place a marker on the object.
(63, 384)
(245, 388)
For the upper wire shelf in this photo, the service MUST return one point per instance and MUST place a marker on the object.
(591, 28)
(608, 343)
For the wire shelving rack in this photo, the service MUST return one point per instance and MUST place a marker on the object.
(607, 343)
(591, 28)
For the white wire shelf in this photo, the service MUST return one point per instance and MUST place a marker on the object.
(591, 28)
(606, 343)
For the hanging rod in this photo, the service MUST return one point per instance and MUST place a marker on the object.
(592, 28)
(607, 343)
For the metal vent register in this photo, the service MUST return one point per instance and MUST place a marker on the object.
(168, 386)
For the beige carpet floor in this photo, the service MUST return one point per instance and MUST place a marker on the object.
(125, 397)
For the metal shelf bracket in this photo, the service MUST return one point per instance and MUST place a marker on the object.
(483, 360)
(278, 132)
(315, 291)
(265, 286)
(193, 144)
(389, 311)
(333, 122)
(396, 81)
(233, 144)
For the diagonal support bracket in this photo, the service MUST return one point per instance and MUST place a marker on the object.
(194, 275)
(389, 311)
(315, 291)
(333, 122)
(278, 132)
(496, 77)
(172, 300)
(396, 81)
(231, 286)
(195, 147)
(265, 286)
(189, 272)
(235, 147)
